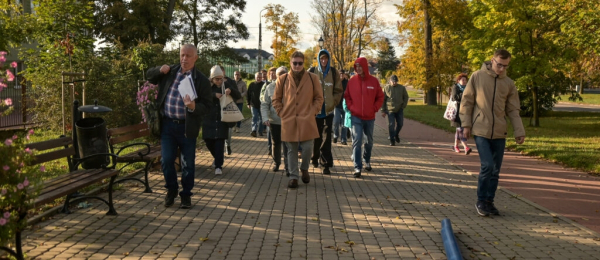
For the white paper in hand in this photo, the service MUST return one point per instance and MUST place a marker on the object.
(186, 87)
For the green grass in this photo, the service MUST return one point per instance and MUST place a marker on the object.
(593, 99)
(414, 94)
(569, 138)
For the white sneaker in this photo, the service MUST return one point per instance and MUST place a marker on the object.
(218, 171)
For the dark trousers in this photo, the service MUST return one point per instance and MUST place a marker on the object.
(215, 146)
(275, 131)
(173, 137)
(240, 107)
(322, 146)
(395, 123)
(491, 153)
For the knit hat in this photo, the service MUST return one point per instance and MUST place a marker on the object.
(216, 71)
(394, 78)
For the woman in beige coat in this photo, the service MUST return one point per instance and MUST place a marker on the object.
(297, 99)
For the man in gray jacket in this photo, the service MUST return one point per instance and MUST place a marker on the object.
(395, 100)
(272, 120)
(489, 98)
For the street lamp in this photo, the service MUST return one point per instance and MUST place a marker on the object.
(321, 42)
(260, 37)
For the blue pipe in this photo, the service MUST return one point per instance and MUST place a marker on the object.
(450, 245)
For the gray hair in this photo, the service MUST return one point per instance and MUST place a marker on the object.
(281, 70)
(190, 46)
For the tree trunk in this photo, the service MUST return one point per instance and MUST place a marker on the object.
(581, 84)
(167, 20)
(536, 116)
(431, 97)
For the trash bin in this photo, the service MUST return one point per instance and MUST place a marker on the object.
(91, 137)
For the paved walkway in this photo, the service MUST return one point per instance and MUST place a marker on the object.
(393, 212)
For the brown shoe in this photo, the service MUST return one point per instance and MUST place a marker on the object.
(305, 176)
(293, 184)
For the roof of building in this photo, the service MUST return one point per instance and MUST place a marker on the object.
(253, 53)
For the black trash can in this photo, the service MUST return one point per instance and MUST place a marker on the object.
(91, 137)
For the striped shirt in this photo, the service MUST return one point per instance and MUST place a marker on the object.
(174, 106)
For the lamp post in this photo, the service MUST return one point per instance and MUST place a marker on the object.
(260, 37)
(321, 42)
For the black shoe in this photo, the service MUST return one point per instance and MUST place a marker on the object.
(326, 171)
(186, 202)
(228, 148)
(392, 143)
(276, 168)
(305, 176)
(344, 143)
(315, 164)
(293, 184)
(397, 139)
(170, 198)
(492, 209)
(335, 140)
(482, 209)
(253, 134)
(356, 173)
(368, 167)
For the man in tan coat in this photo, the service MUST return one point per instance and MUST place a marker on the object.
(297, 100)
(489, 97)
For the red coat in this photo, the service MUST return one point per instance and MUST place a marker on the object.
(363, 95)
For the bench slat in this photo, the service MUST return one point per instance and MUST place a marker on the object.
(77, 180)
(50, 144)
(134, 157)
(126, 137)
(127, 129)
(50, 156)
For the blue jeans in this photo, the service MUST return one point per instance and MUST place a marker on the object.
(257, 123)
(395, 123)
(359, 127)
(171, 138)
(491, 152)
(338, 121)
(240, 107)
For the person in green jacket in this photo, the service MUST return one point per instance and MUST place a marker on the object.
(394, 101)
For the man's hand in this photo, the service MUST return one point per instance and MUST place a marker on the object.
(383, 114)
(267, 123)
(520, 139)
(189, 103)
(466, 132)
(165, 69)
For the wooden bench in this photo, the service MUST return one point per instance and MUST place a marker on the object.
(66, 184)
(144, 152)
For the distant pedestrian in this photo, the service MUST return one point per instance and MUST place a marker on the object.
(273, 121)
(489, 98)
(457, 91)
(231, 84)
(298, 98)
(340, 131)
(394, 102)
(364, 98)
(243, 89)
(214, 131)
(253, 99)
(272, 74)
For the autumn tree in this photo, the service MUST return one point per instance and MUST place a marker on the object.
(285, 27)
(348, 27)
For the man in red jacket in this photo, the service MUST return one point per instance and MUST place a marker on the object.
(364, 98)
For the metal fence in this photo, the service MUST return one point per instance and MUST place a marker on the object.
(20, 96)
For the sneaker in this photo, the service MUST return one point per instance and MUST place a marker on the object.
(218, 171)
(170, 198)
(482, 209)
(335, 140)
(276, 167)
(253, 134)
(392, 143)
(468, 151)
(315, 164)
(228, 148)
(356, 173)
(326, 171)
(397, 139)
(368, 167)
(492, 209)
(293, 184)
(344, 143)
(456, 149)
(186, 202)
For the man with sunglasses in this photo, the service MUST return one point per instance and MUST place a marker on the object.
(489, 97)
(298, 98)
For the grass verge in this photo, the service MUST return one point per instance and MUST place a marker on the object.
(592, 99)
(569, 138)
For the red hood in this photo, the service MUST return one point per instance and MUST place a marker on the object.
(364, 64)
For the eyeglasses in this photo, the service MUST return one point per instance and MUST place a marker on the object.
(299, 63)
(500, 65)
(218, 79)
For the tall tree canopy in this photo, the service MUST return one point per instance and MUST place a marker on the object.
(285, 26)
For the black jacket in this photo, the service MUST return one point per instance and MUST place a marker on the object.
(203, 102)
(344, 84)
(253, 97)
(456, 95)
(212, 127)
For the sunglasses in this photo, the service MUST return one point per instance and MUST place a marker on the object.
(299, 63)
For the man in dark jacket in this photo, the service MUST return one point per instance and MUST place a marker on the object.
(339, 115)
(253, 100)
(181, 120)
(395, 101)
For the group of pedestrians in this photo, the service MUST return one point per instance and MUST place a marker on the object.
(302, 110)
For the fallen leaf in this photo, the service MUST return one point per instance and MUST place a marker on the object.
(177, 245)
(289, 241)
(203, 239)
(126, 253)
(484, 254)
(350, 242)
(519, 245)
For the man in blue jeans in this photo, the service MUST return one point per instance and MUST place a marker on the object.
(182, 118)
(489, 97)
(394, 102)
(363, 98)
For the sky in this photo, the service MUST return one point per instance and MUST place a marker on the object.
(308, 33)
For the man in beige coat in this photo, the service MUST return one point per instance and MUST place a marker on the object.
(297, 100)
(489, 97)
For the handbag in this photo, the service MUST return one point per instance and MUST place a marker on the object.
(229, 110)
(153, 118)
(451, 110)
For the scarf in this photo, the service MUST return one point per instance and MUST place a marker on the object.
(460, 87)
(298, 76)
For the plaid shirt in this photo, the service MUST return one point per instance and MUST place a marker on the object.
(174, 107)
